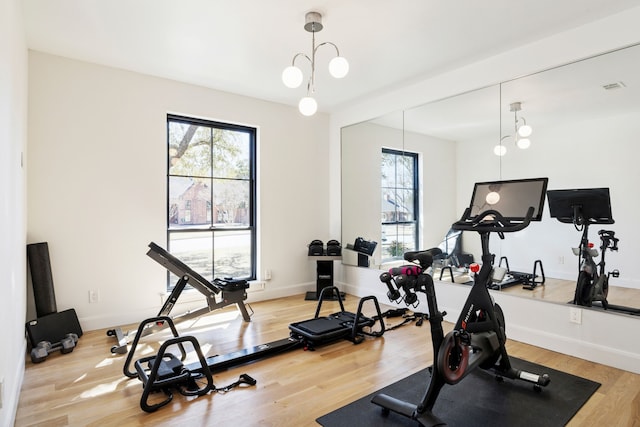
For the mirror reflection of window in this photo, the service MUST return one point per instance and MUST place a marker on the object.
(399, 187)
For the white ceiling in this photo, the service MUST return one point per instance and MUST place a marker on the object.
(566, 94)
(242, 46)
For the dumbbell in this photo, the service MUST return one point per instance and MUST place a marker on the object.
(393, 293)
(42, 350)
(408, 284)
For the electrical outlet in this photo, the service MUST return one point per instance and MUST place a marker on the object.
(256, 287)
(267, 274)
(575, 315)
(94, 297)
(561, 259)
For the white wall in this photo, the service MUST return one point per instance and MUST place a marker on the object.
(13, 137)
(97, 184)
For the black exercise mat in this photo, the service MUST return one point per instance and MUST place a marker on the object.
(478, 400)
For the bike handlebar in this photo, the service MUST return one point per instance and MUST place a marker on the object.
(607, 237)
(491, 221)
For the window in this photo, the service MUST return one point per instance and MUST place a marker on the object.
(211, 183)
(399, 186)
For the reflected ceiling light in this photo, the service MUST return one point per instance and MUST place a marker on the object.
(500, 150)
(521, 135)
(492, 198)
(292, 76)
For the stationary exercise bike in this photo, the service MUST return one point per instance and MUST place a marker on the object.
(478, 338)
(582, 208)
(593, 282)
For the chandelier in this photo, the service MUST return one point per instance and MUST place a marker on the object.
(521, 134)
(292, 76)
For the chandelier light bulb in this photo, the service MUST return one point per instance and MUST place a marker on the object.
(308, 106)
(500, 150)
(292, 77)
(523, 143)
(525, 131)
(338, 67)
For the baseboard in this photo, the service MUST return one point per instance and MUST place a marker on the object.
(606, 355)
(11, 392)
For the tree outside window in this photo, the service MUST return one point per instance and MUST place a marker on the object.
(399, 196)
(211, 197)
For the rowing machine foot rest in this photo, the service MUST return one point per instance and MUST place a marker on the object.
(142, 329)
(164, 371)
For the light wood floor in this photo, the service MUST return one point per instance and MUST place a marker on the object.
(87, 387)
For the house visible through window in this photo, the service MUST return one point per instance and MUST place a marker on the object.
(211, 185)
(399, 186)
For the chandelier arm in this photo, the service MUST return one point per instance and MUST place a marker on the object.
(293, 61)
(330, 43)
(310, 88)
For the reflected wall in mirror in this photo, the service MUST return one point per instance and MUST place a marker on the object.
(361, 156)
(585, 118)
(432, 132)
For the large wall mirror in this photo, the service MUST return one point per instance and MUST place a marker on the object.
(373, 211)
(585, 118)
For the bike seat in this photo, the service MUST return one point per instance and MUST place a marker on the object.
(424, 258)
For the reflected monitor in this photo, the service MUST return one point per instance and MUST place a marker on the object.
(512, 199)
(366, 247)
(578, 206)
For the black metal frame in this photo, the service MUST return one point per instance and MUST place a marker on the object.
(253, 133)
(415, 201)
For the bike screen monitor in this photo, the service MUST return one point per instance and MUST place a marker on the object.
(592, 205)
(512, 199)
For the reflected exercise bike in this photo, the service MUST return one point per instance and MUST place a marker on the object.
(582, 208)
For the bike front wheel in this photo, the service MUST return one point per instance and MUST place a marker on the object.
(584, 288)
(453, 358)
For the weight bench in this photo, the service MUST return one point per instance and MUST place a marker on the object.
(233, 292)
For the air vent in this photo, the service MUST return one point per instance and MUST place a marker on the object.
(612, 86)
